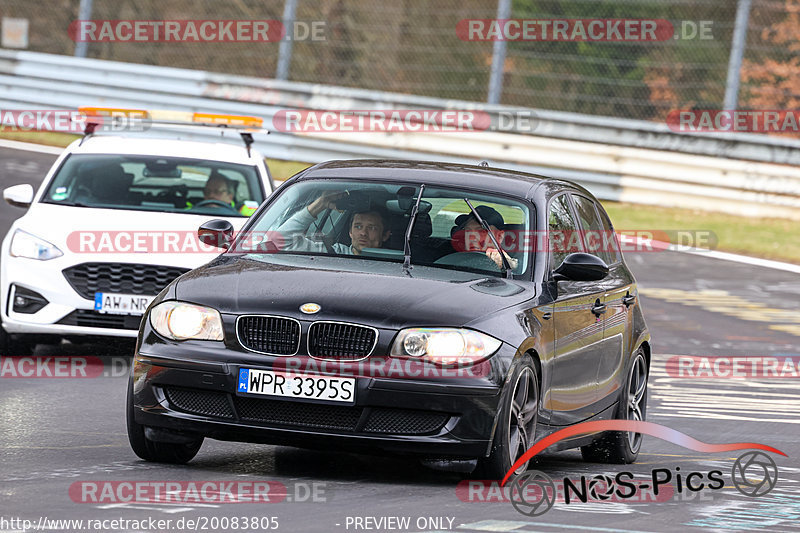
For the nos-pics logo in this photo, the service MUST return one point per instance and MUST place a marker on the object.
(533, 493)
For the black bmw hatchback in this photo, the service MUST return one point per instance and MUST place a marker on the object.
(438, 309)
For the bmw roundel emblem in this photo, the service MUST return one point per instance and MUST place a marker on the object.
(310, 308)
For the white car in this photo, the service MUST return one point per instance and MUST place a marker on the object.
(114, 221)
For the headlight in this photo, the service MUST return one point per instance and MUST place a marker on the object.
(444, 346)
(24, 244)
(180, 321)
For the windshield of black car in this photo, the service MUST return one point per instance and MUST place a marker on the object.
(364, 220)
(156, 183)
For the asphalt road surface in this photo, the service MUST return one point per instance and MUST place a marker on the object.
(62, 440)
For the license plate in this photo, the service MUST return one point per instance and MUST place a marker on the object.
(300, 386)
(121, 304)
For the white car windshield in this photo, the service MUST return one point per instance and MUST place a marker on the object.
(156, 183)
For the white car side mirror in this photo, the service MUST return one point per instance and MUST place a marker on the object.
(19, 195)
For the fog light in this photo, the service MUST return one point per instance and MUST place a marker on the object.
(26, 301)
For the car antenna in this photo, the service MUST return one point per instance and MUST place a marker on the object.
(409, 229)
(88, 131)
(506, 264)
(247, 137)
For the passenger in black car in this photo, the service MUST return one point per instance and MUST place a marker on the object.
(469, 236)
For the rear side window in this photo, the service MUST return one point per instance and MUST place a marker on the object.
(599, 240)
(563, 237)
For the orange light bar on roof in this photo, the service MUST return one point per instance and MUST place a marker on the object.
(230, 120)
(113, 112)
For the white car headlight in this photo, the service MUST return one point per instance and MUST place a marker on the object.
(180, 321)
(444, 346)
(23, 244)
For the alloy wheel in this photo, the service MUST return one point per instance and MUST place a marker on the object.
(637, 398)
(522, 416)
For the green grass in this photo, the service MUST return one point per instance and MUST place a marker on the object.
(770, 238)
(50, 138)
(282, 170)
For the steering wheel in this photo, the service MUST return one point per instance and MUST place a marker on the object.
(82, 191)
(215, 203)
(477, 260)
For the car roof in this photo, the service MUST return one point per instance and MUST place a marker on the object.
(228, 152)
(499, 180)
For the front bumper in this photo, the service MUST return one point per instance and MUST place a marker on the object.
(61, 314)
(68, 311)
(439, 417)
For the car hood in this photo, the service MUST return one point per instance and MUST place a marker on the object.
(87, 234)
(381, 296)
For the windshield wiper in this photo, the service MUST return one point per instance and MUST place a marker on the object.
(506, 265)
(409, 229)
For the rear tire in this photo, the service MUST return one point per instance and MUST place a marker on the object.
(157, 452)
(516, 425)
(622, 447)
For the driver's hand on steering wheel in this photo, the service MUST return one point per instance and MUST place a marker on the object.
(215, 205)
(326, 201)
(494, 255)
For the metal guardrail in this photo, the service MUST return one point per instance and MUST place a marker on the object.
(623, 160)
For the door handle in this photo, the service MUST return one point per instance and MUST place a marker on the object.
(547, 316)
(629, 299)
(598, 308)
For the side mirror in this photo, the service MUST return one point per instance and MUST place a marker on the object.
(216, 232)
(581, 267)
(19, 195)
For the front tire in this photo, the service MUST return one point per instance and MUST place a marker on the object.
(516, 426)
(10, 346)
(157, 452)
(618, 447)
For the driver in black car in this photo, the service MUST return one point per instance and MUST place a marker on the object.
(368, 228)
(469, 236)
